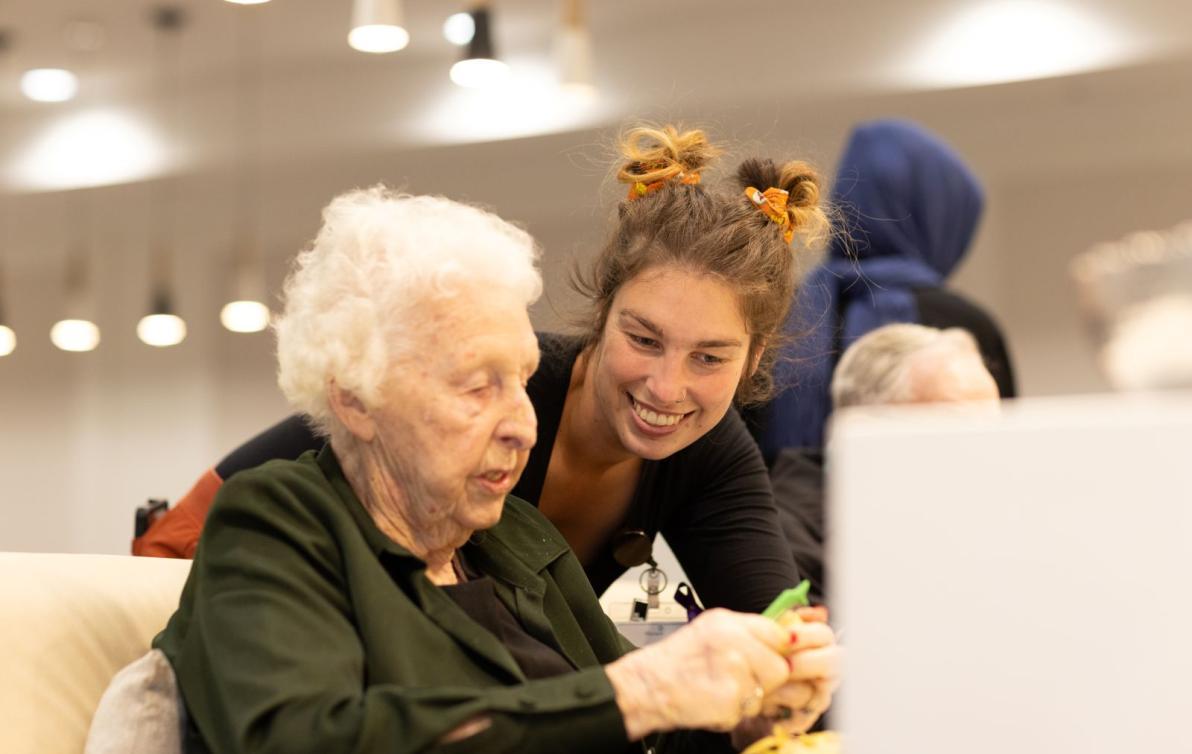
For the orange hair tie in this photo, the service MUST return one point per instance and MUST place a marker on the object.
(772, 204)
(639, 189)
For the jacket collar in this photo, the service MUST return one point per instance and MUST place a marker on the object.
(516, 537)
(514, 553)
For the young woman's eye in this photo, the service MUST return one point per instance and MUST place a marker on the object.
(643, 341)
(709, 360)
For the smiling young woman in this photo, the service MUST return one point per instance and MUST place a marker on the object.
(637, 429)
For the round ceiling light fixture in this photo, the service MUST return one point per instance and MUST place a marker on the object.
(49, 84)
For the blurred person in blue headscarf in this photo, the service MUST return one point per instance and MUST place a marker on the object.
(910, 207)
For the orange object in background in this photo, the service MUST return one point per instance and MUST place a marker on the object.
(176, 534)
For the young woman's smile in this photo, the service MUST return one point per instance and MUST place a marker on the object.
(668, 363)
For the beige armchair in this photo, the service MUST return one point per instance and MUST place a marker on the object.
(68, 623)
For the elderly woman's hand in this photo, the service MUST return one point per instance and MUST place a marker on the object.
(710, 674)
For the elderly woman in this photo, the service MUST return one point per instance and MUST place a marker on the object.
(385, 594)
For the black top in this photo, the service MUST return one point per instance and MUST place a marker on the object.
(478, 598)
(798, 478)
(711, 500)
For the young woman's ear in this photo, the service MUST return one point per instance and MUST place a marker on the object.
(351, 412)
(755, 359)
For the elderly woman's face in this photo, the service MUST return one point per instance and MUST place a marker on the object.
(455, 419)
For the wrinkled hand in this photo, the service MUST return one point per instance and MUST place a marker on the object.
(705, 675)
(814, 676)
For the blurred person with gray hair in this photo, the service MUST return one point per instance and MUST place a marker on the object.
(892, 365)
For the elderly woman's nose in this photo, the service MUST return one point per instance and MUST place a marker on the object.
(667, 380)
(519, 430)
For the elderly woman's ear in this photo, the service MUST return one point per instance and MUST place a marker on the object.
(351, 412)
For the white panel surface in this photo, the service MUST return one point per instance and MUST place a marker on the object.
(1016, 583)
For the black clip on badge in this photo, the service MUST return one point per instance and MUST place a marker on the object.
(631, 548)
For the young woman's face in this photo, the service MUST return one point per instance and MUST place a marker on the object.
(672, 353)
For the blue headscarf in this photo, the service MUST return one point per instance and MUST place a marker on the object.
(910, 207)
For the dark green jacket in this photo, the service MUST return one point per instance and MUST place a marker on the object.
(303, 628)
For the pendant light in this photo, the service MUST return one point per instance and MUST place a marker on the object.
(480, 66)
(76, 331)
(8, 338)
(162, 327)
(246, 312)
(377, 26)
(574, 52)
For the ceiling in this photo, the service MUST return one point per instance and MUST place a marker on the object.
(778, 59)
(275, 91)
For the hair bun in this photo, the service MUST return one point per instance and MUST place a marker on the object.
(802, 182)
(661, 153)
(760, 173)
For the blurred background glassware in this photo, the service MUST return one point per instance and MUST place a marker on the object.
(1136, 294)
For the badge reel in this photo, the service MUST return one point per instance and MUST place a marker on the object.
(631, 548)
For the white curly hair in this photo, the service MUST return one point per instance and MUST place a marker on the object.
(354, 297)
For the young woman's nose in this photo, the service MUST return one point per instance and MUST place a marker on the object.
(666, 382)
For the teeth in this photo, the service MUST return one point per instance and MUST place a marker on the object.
(655, 419)
(495, 476)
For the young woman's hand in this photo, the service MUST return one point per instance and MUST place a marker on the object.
(814, 675)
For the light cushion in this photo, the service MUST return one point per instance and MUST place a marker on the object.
(141, 712)
(68, 623)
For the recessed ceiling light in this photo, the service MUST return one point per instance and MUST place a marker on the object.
(1016, 40)
(49, 84)
(85, 35)
(475, 73)
(91, 148)
(459, 28)
(248, 2)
